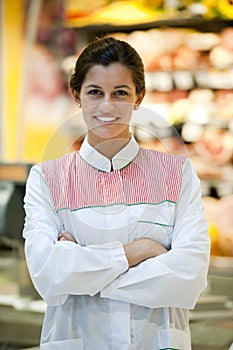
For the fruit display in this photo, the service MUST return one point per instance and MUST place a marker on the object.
(220, 223)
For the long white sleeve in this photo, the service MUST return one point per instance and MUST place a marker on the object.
(177, 277)
(61, 268)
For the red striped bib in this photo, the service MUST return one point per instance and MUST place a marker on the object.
(152, 177)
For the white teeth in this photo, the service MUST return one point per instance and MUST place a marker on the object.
(106, 119)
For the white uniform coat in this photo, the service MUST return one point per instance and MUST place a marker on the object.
(94, 300)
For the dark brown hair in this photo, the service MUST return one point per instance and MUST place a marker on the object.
(106, 51)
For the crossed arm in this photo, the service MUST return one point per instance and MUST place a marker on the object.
(136, 251)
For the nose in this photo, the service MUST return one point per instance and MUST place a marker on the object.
(106, 107)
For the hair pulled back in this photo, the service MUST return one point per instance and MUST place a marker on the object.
(106, 51)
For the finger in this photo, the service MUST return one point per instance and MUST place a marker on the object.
(65, 236)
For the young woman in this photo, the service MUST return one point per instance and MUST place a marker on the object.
(115, 237)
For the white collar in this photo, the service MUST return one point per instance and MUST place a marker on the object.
(100, 162)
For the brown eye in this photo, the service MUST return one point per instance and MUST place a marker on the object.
(121, 93)
(94, 92)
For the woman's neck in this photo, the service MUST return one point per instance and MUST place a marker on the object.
(110, 147)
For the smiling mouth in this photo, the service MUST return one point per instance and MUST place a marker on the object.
(106, 119)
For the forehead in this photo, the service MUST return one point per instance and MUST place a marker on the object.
(113, 74)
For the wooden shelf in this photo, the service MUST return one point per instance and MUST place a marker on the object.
(14, 172)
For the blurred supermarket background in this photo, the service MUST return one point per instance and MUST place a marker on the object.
(187, 49)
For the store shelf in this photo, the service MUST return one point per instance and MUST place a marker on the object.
(14, 172)
(187, 80)
(183, 20)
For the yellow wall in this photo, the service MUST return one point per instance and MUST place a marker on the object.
(23, 137)
(12, 30)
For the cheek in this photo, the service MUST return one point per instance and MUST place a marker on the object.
(87, 102)
(89, 109)
(125, 110)
(87, 115)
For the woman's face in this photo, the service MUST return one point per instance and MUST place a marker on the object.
(108, 96)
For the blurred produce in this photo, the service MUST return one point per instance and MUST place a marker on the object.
(183, 63)
(219, 8)
(84, 13)
(220, 220)
(94, 12)
(215, 146)
(226, 37)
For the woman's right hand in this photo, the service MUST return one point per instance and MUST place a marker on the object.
(142, 249)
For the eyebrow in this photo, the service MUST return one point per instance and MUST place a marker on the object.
(115, 87)
(92, 86)
(122, 86)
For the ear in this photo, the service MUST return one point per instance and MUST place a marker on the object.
(75, 96)
(140, 97)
